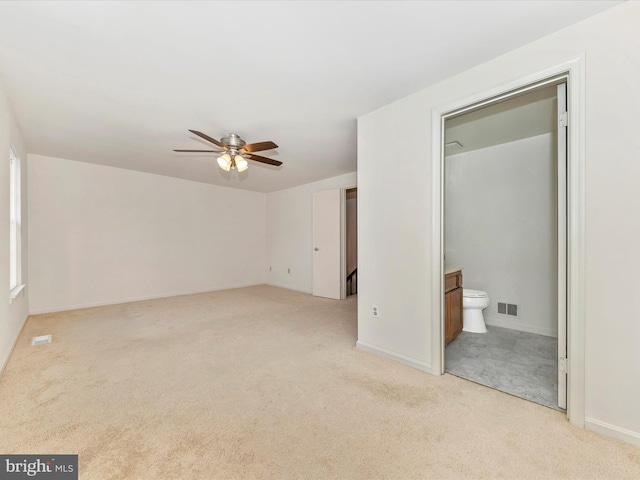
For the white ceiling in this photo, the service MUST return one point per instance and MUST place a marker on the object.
(119, 83)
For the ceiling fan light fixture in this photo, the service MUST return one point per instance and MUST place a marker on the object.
(241, 163)
(224, 162)
(236, 148)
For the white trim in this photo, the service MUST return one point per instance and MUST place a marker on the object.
(562, 144)
(138, 299)
(437, 242)
(343, 243)
(521, 327)
(288, 287)
(612, 431)
(575, 71)
(15, 230)
(576, 259)
(14, 292)
(398, 357)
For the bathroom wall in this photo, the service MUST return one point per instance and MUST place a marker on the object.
(500, 226)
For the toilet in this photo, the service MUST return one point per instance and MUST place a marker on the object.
(473, 302)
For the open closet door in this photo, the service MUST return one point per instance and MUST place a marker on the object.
(562, 245)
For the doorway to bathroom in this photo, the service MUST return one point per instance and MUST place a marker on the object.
(504, 229)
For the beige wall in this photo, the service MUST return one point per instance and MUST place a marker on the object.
(103, 235)
(395, 208)
(12, 315)
(106, 235)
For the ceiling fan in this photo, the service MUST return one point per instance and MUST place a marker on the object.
(236, 151)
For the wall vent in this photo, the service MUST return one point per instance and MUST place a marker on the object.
(508, 309)
(41, 340)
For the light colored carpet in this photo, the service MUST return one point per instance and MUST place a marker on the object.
(264, 383)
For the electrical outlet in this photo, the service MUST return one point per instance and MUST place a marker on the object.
(375, 311)
(269, 268)
(288, 270)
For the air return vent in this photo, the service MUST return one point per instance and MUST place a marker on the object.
(508, 309)
(41, 340)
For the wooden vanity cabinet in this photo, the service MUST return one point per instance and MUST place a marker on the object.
(452, 305)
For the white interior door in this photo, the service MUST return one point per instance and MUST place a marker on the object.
(326, 244)
(562, 245)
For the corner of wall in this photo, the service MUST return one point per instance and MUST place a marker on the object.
(6, 354)
(14, 314)
(398, 357)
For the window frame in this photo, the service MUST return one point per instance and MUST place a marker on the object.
(15, 225)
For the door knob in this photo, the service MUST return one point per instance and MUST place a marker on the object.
(316, 249)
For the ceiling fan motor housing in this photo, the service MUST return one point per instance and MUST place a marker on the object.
(233, 140)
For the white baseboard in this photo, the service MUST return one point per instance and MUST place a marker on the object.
(7, 354)
(506, 323)
(412, 362)
(612, 431)
(290, 287)
(65, 308)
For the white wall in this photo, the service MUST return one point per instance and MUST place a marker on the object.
(12, 315)
(394, 209)
(103, 235)
(500, 223)
(290, 233)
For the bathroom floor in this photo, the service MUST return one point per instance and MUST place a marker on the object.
(520, 363)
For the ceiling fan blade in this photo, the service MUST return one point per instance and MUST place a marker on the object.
(208, 151)
(209, 139)
(258, 147)
(260, 158)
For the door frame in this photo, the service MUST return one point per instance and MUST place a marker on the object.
(574, 71)
(561, 209)
(343, 240)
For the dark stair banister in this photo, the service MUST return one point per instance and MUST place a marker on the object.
(352, 282)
